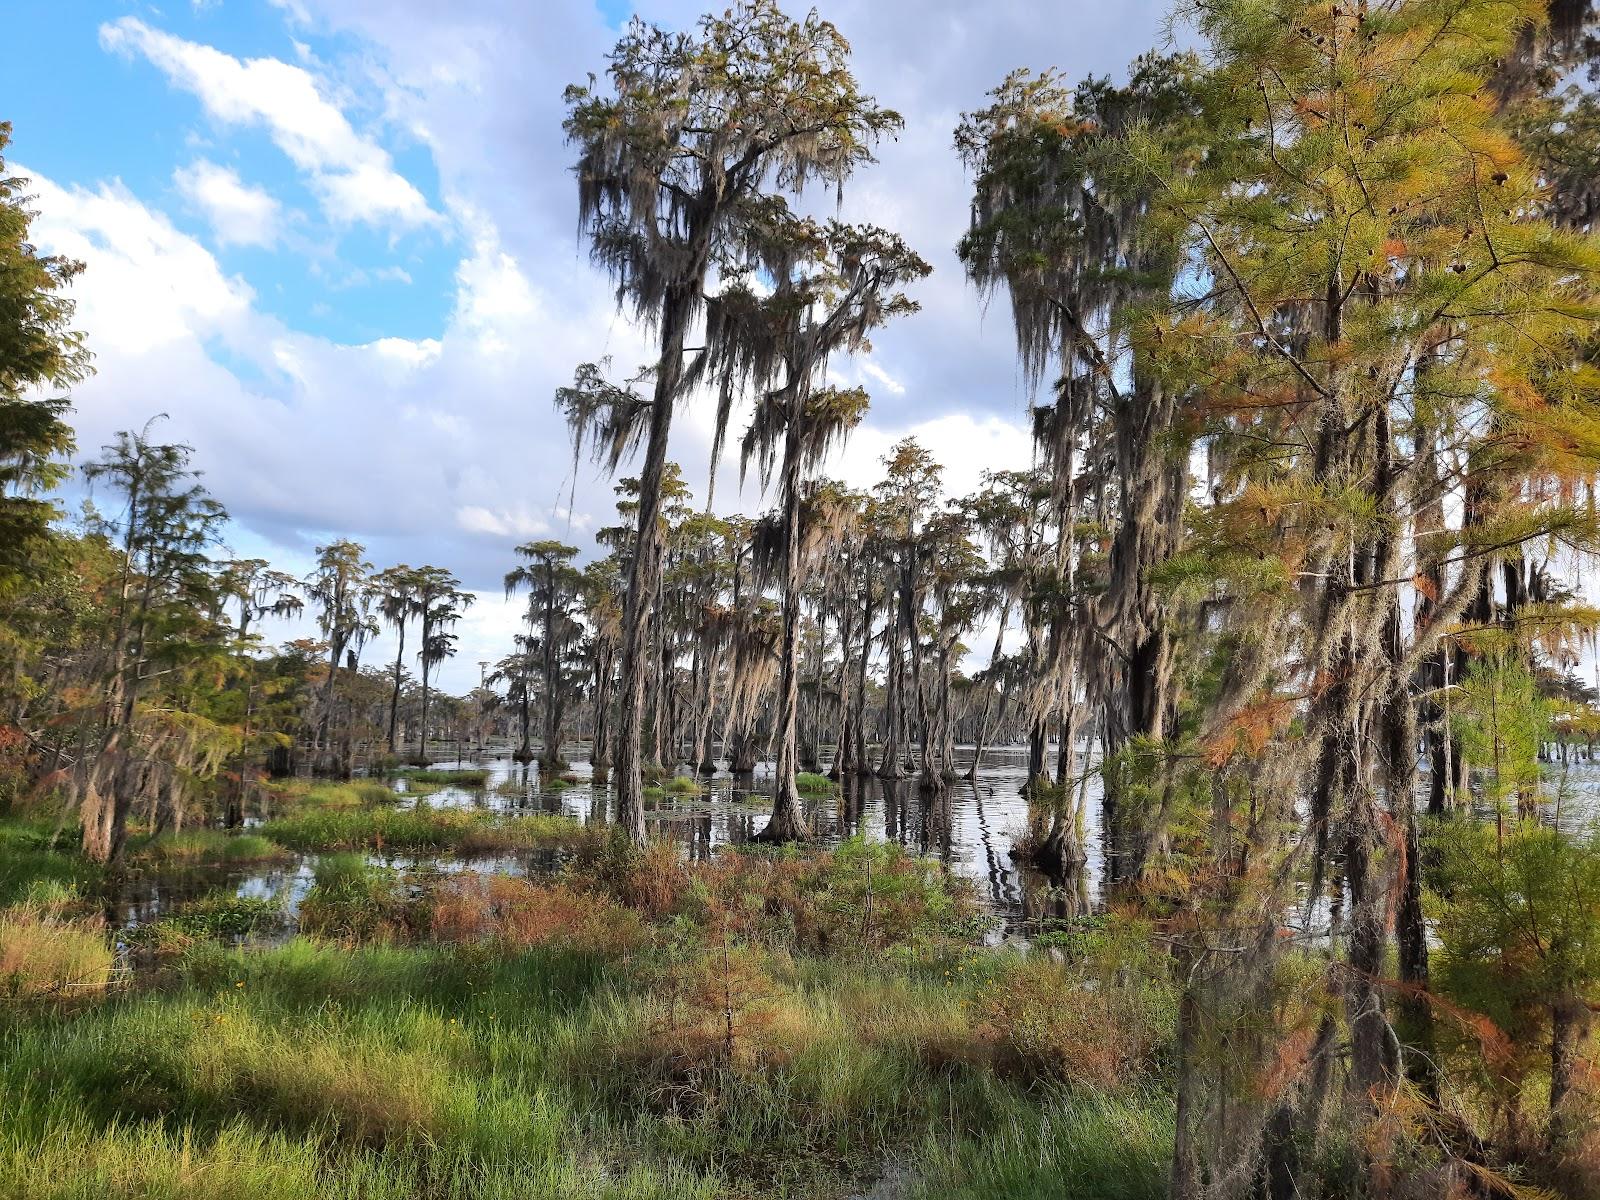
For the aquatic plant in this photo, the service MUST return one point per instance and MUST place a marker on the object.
(449, 830)
(195, 847)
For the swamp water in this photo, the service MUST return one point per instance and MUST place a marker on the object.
(969, 828)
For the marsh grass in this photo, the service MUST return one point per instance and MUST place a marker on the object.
(466, 777)
(32, 856)
(813, 784)
(194, 847)
(354, 900)
(453, 831)
(637, 1027)
(1075, 1146)
(46, 954)
(222, 915)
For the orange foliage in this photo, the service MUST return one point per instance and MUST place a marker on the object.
(1250, 731)
(520, 913)
(1042, 1020)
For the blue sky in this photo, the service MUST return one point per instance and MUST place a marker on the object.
(335, 241)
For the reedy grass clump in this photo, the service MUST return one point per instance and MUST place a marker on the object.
(355, 900)
(454, 831)
(1074, 1146)
(46, 954)
(196, 847)
(223, 915)
(812, 783)
(32, 856)
(466, 777)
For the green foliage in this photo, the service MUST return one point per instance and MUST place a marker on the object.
(465, 777)
(806, 781)
(1501, 721)
(1517, 914)
(39, 351)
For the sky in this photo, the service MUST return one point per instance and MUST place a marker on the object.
(335, 242)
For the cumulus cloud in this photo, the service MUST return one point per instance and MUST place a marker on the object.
(354, 176)
(239, 214)
(151, 286)
(443, 446)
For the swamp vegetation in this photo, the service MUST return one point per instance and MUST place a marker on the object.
(1277, 653)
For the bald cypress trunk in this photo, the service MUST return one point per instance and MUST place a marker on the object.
(788, 822)
(644, 569)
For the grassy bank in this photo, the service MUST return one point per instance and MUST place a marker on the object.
(772, 1024)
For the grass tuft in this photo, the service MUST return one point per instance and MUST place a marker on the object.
(47, 955)
(439, 830)
(195, 847)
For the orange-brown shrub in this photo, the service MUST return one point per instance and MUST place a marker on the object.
(1045, 1019)
(474, 907)
(652, 880)
(862, 895)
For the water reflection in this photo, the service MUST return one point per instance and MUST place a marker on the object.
(969, 827)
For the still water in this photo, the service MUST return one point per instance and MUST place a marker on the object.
(969, 828)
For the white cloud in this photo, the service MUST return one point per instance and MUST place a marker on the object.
(443, 446)
(240, 215)
(964, 444)
(354, 176)
(506, 523)
(874, 371)
(148, 285)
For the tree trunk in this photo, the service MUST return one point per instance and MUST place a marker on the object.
(643, 570)
(550, 739)
(788, 823)
(600, 755)
(889, 764)
(983, 720)
(1566, 1024)
(394, 695)
(863, 759)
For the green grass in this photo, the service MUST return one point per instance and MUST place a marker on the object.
(27, 860)
(363, 1061)
(195, 847)
(683, 785)
(48, 955)
(441, 830)
(808, 782)
(223, 915)
(405, 1072)
(466, 778)
(1079, 1146)
(354, 900)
